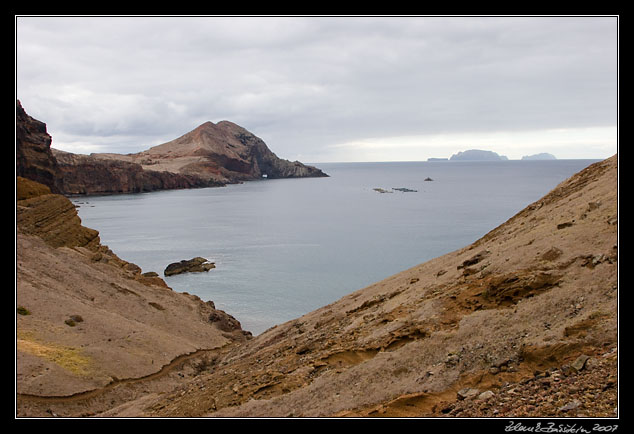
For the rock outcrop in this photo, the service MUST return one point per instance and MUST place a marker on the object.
(33, 155)
(51, 217)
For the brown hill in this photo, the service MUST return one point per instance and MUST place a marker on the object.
(88, 320)
(224, 151)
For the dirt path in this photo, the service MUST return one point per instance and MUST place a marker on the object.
(118, 391)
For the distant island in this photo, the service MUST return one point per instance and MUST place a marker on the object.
(482, 155)
(477, 155)
(541, 156)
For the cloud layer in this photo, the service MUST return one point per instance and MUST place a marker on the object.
(313, 87)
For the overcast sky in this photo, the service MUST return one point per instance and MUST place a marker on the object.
(322, 89)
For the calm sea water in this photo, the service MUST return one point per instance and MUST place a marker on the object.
(285, 247)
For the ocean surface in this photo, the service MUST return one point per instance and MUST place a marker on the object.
(285, 247)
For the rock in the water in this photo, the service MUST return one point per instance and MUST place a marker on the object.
(405, 190)
(382, 190)
(194, 265)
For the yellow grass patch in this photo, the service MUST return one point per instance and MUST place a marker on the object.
(68, 358)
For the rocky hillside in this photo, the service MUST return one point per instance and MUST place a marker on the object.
(224, 152)
(485, 330)
(87, 320)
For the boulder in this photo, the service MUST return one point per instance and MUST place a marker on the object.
(468, 393)
(194, 265)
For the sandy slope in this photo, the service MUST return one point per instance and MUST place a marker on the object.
(87, 319)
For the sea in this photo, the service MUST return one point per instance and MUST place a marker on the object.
(285, 247)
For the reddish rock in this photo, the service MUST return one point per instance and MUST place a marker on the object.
(33, 157)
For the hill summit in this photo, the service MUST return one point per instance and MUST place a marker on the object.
(224, 152)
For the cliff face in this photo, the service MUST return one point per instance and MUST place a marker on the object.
(86, 318)
(84, 174)
(34, 159)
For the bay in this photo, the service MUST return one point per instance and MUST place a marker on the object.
(284, 247)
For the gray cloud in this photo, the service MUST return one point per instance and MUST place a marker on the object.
(122, 84)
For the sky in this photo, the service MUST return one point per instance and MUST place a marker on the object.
(326, 88)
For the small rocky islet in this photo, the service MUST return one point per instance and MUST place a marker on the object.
(194, 265)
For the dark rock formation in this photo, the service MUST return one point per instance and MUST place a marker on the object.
(33, 157)
(85, 174)
(194, 265)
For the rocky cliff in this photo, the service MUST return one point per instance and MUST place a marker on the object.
(85, 174)
(33, 156)
(212, 155)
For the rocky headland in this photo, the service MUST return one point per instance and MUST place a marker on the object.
(211, 155)
(224, 152)
(521, 323)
